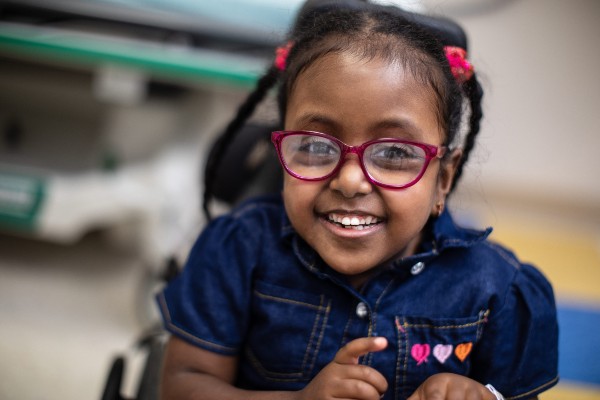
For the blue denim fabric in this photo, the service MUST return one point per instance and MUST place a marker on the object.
(253, 288)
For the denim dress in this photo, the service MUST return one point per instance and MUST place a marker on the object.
(252, 288)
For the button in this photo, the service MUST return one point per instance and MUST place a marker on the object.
(361, 310)
(417, 268)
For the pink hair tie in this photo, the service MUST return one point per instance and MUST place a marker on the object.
(461, 68)
(281, 55)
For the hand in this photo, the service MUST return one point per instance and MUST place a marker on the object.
(344, 378)
(446, 386)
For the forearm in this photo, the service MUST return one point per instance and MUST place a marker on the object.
(192, 373)
(189, 385)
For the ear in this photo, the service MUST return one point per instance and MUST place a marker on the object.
(446, 174)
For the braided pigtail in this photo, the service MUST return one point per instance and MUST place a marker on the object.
(245, 111)
(474, 94)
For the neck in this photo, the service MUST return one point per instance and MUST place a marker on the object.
(358, 280)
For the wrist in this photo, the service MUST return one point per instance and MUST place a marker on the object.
(496, 393)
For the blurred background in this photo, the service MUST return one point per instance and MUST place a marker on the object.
(107, 111)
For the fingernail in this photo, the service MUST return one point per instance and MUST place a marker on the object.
(380, 341)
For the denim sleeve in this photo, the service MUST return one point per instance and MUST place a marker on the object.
(207, 304)
(518, 352)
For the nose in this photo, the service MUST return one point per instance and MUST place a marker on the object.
(350, 180)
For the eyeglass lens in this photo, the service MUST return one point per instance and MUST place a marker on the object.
(388, 162)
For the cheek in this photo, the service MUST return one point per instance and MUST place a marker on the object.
(291, 188)
(412, 205)
(430, 184)
(298, 197)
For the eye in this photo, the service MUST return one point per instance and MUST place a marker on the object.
(301, 151)
(395, 156)
(392, 152)
(316, 146)
(395, 151)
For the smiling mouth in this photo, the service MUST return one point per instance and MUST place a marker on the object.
(355, 222)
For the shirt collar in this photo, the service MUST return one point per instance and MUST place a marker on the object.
(446, 234)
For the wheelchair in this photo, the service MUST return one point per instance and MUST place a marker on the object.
(239, 175)
(239, 167)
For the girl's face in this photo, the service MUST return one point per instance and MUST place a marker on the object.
(357, 101)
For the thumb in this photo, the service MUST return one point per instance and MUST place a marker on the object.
(350, 353)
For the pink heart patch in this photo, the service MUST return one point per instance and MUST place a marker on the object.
(442, 351)
(420, 352)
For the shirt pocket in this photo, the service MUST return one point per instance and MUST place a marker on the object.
(429, 346)
(286, 332)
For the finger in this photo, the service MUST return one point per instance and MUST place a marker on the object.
(356, 389)
(418, 394)
(415, 396)
(350, 353)
(367, 375)
(429, 392)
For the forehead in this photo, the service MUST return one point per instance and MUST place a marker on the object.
(346, 94)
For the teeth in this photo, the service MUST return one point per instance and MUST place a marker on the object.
(355, 222)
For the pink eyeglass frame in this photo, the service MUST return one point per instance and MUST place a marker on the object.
(431, 152)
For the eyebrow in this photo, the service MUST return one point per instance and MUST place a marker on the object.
(311, 118)
(407, 127)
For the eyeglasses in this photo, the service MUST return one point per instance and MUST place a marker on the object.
(388, 163)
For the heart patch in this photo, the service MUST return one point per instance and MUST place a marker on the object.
(442, 351)
(420, 352)
(462, 350)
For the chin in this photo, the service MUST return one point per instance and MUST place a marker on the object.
(350, 266)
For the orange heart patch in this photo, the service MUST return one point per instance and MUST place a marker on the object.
(462, 350)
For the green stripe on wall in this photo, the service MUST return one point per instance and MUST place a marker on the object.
(88, 49)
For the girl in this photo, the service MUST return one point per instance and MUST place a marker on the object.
(355, 283)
